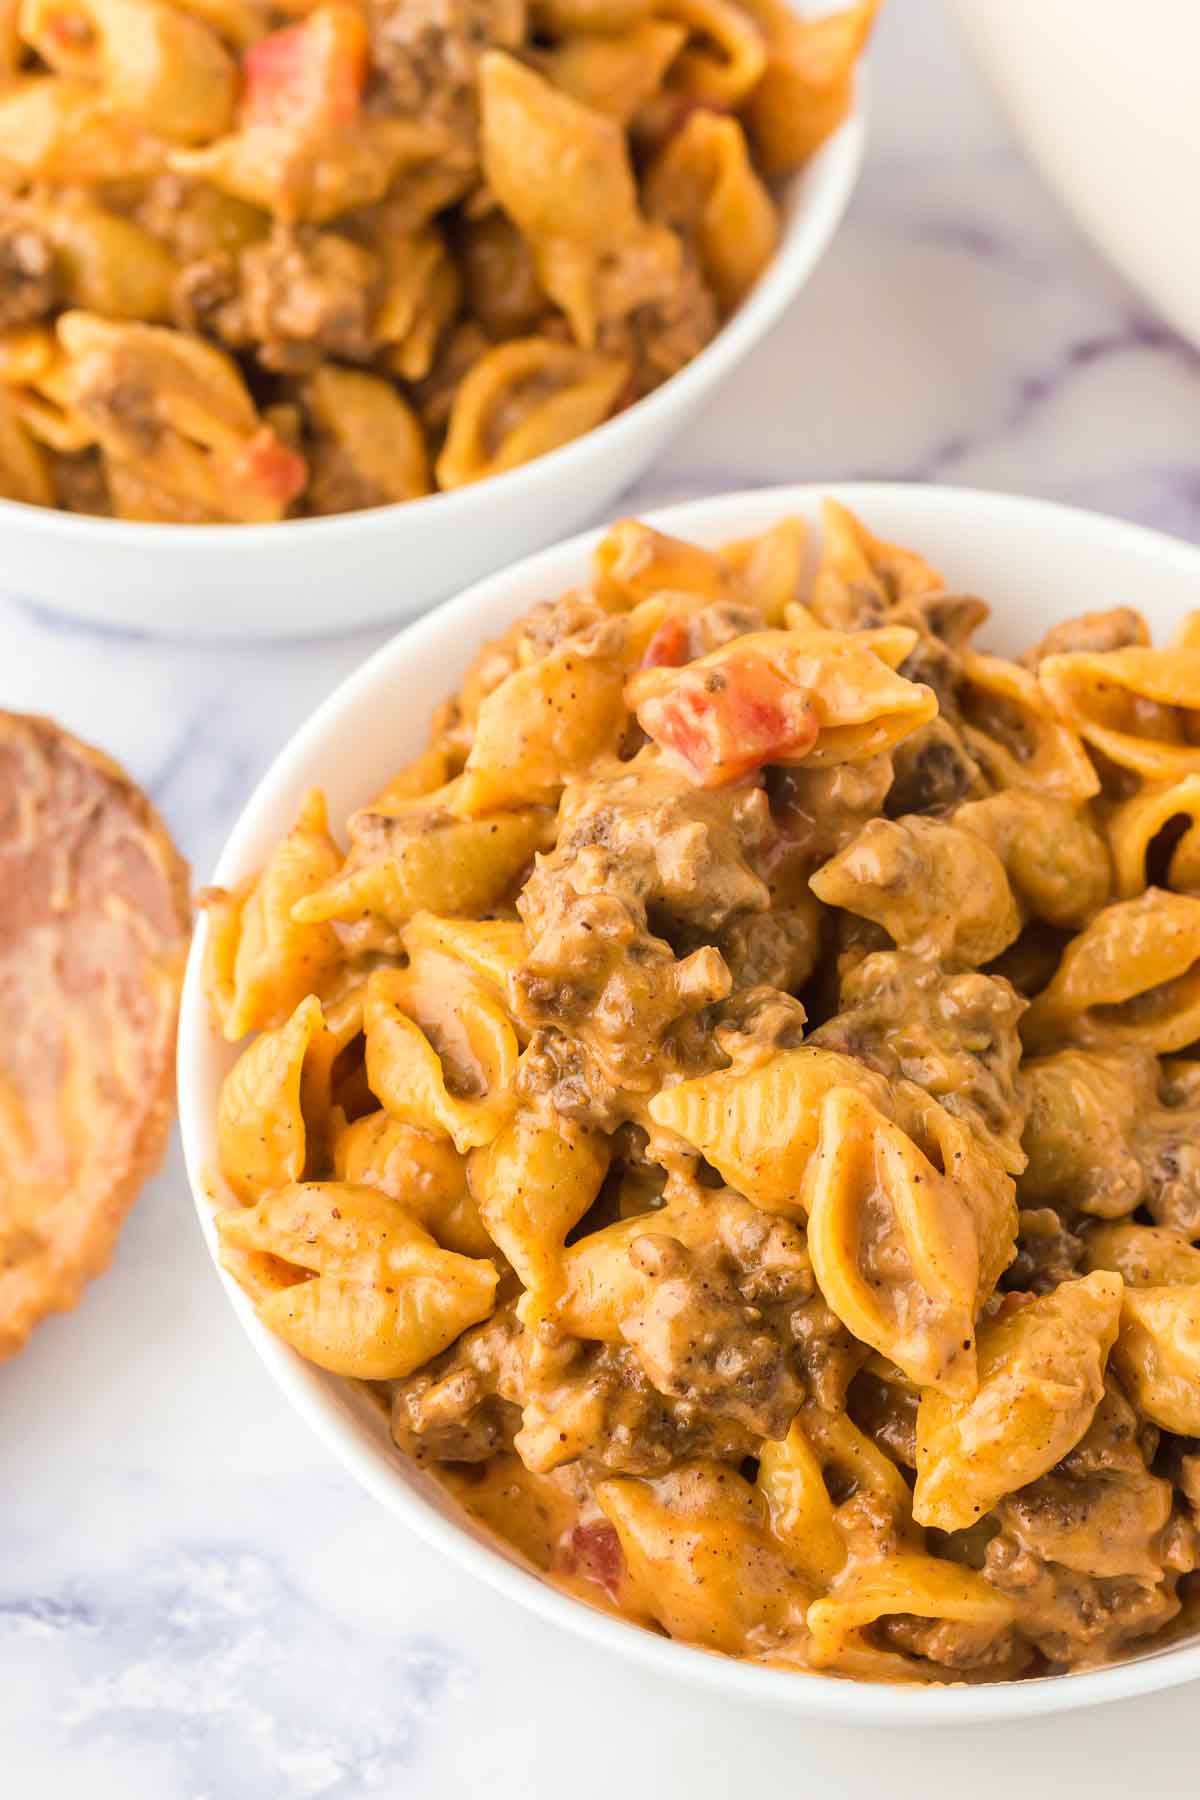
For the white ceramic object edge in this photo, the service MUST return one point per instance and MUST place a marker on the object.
(307, 577)
(1104, 102)
(1050, 560)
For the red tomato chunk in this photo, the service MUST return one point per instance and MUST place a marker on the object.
(669, 647)
(594, 1552)
(267, 465)
(307, 74)
(730, 718)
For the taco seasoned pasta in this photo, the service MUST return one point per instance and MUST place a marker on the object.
(735, 1097)
(263, 260)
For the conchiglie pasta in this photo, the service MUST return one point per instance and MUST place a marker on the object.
(421, 294)
(522, 399)
(935, 889)
(408, 1076)
(1143, 1255)
(423, 860)
(424, 1173)
(542, 724)
(374, 1296)
(910, 1584)
(615, 72)
(261, 1131)
(726, 55)
(759, 1126)
(702, 1562)
(532, 1184)
(860, 577)
(25, 472)
(106, 263)
(634, 562)
(414, 781)
(562, 173)
(704, 185)
(56, 129)
(1157, 1354)
(766, 569)
(193, 434)
(1137, 706)
(1134, 826)
(893, 1245)
(807, 84)
(1054, 855)
(794, 1477)
(369, 441)
(1041, 1375)
(1012, 730)
(163, 70)
(262, 961)
(1131, 978)
(491, 948)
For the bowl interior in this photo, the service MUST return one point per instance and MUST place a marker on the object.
(1035, 563)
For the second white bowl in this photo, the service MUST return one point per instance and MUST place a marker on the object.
(307, 576)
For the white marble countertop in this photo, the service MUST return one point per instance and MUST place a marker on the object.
(195, 1603)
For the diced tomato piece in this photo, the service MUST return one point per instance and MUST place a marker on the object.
(731, 717)
(307, 75)
(594, 1552)
(268, 465)
(670, 646)
(70, 30)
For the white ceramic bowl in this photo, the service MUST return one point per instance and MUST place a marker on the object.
(1103, 97)
(1035, 562)
(309, 576)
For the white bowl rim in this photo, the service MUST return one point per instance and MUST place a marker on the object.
(833, 170)
(813, 1696)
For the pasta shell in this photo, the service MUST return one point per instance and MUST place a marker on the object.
(532, 1184)
(1143, 1255)
(912, 1584)
(934, 889)
(1157, 1354)
(424, 1173)
(1132, 977)
(700, 1559)
(860, 577)
(703, 184)
(1010, 727)
(893, 1244)
(261, 1131)
(1055, 857)
(1041, 1376)
(543, 724)
(1133, 826)
(759, 1127)
(807, 86)
(407, 1074)
(424, 861)
(271, 959)
(1137, 706)
(861, 706)
(384, 1299)
(792, 1478)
